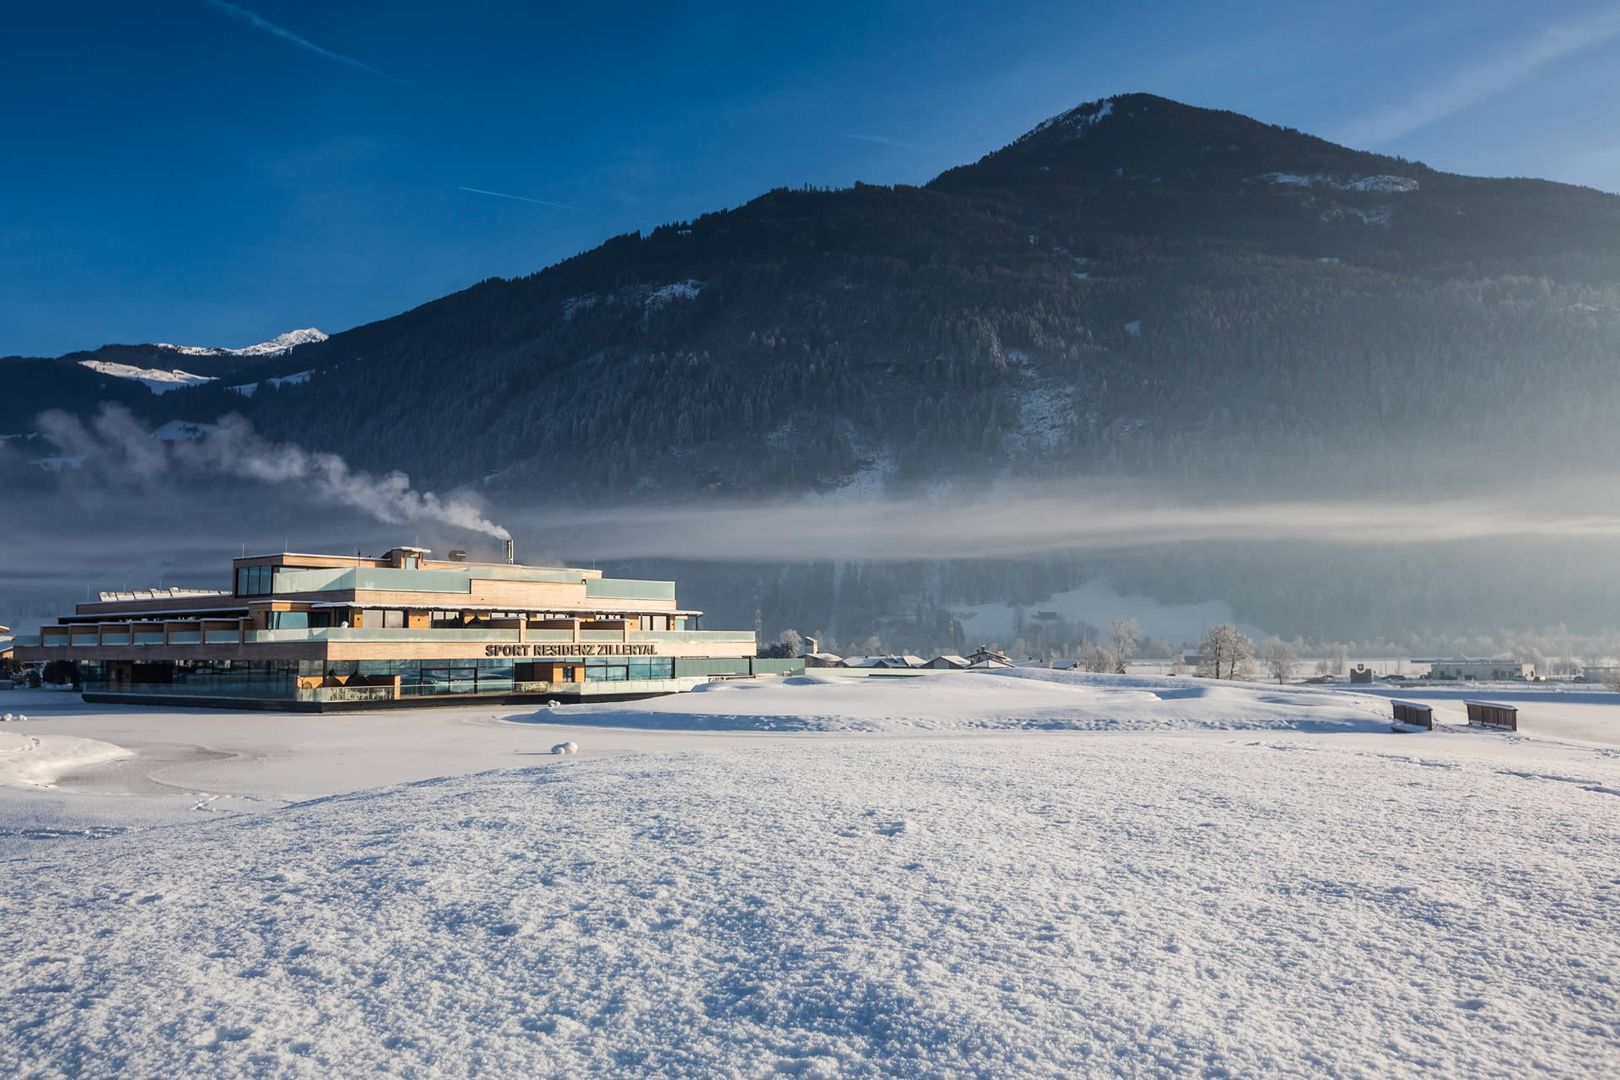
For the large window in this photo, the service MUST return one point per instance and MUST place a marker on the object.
(255, 580)
(615, 669)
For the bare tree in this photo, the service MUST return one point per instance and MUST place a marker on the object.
(1099, 659)
(1611, 679)
(1280, 659)
(1226, 653)
(1124, 633)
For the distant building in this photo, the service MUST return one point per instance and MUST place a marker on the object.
(886, 663)
(822, 660)
(1361, 673)
(948, 662)
(984, 656)
(1600, 672)
(1467, 669)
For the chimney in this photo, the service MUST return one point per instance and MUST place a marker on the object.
(509, 556)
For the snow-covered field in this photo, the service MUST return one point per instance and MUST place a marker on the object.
(952, 875)
(1019, 699)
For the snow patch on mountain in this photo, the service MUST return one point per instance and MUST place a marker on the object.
(249, 389)
(1372, 215)
(183, 431)
(1077, 121)
(675, 290)
(274, 347)
(572, 306)
(1381, 185)
(155, 379)
(1045, 415)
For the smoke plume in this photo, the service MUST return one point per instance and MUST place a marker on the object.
(118, 447)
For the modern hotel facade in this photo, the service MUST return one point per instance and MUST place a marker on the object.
(325, 632)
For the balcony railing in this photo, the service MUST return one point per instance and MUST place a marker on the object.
(148, 635)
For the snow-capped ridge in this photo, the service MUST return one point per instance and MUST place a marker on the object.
(277, 345)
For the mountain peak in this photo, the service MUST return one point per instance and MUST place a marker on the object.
(1137, 140)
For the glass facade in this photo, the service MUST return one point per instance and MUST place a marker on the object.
(358, 680)
(617, 669)
(261, 680)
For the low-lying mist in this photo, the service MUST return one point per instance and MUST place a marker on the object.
(1040, 521)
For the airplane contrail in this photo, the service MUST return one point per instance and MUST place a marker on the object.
(519, 198)
(259, 22)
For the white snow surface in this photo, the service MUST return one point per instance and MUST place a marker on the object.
(39, 761)
(1040, 906)
(274, 347)
(1020, 699)
(155, 379)
(956, 895)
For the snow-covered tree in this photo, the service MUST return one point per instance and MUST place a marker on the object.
(1226, 653)
(791, 641)
(1124, 633)
(1280, 658)
(1099, 658)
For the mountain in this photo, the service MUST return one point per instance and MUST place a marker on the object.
(129, 375)
(1134, 287)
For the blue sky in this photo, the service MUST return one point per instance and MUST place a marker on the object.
(214, 173)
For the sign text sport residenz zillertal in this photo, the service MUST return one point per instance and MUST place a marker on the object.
(576, 649)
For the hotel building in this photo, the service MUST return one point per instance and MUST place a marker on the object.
(325, 632)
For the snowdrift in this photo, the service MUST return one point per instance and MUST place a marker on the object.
(39, 761)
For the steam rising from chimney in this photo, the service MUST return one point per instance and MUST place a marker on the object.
(122, 448)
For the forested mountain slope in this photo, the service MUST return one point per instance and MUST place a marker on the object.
(1134, 286)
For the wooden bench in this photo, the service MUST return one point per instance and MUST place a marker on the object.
(1410, 716)
(1492, 714)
